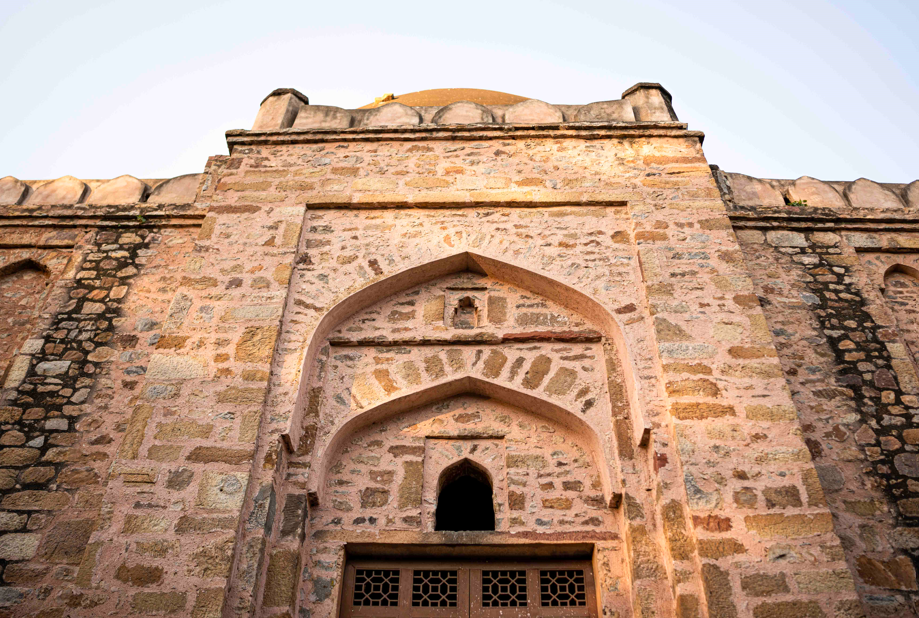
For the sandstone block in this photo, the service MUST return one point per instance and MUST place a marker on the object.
(218, 490)
(256, 344)
(764, 584)
(792, 526)
(282, 578)
(34, 500)
(52, 368)
(18, 546)
(897, 573)
(786, 609)
(165, 368)
(208, 603)
(158, 602)
(694, 410)
(778, 238)
(219, 454)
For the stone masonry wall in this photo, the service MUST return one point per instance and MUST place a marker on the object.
(855, 392)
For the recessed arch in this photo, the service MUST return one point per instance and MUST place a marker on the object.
(468, 485)
(24, 264)
(902, 269)
(326, 449)
(524, 277)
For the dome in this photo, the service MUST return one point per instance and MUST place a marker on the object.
(444, 96)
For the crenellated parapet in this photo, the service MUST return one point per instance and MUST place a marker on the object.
(67, 190)
(808, 196)
(286, 108)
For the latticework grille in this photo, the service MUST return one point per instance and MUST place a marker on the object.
(562, 588)
(434, 588)
(504, 588)
(376, 588)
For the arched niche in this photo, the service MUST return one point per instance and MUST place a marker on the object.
(521, 276)
(900, 271)
(23, 286)
(464, 498)
(326, 450)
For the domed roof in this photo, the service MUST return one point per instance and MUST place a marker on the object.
(444, 96)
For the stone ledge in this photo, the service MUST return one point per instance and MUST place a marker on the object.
(581, 130)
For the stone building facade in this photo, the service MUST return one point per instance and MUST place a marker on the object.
(459, 353)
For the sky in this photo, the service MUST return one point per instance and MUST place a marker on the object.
(781, 89)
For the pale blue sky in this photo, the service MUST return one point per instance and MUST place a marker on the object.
(781, 89)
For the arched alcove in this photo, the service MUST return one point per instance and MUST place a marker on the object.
(525, 278)
(22, 287)
(464, 499)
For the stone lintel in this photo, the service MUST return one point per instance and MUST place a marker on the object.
(380, 538)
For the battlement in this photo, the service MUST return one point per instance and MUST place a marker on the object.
(808, 196)
(68, 190)
(286, 108)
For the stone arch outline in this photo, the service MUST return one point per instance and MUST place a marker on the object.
(524, 277)
(28, 263)
(466, 463)
(899, 267)
(325, 450)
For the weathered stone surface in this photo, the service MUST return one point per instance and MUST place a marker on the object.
(64, 190)
(178, 190)
(122, 190)
(816, 193)
(619, 110)
(281, 581)
(256, 344)
(750, 191)
(532, 112)
(18, 546)
(322, 117)
(12, 191)
(391, 114)
(217, 490)
(166, 367)
(867, 194)
(463, 112)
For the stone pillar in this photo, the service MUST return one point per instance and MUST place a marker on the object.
(279, 110)
(650, 102)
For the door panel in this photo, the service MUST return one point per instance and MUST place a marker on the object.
(464, 589)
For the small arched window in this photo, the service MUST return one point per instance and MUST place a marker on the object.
(465, 314)
(464, 500)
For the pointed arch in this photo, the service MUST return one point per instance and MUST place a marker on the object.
(524, 277)
(325, 449)
(468, 477)
(24, 264)
(902, 269)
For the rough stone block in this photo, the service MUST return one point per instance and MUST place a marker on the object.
(165, 368)
(218, 490)
(750, 191)
(18, 546)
